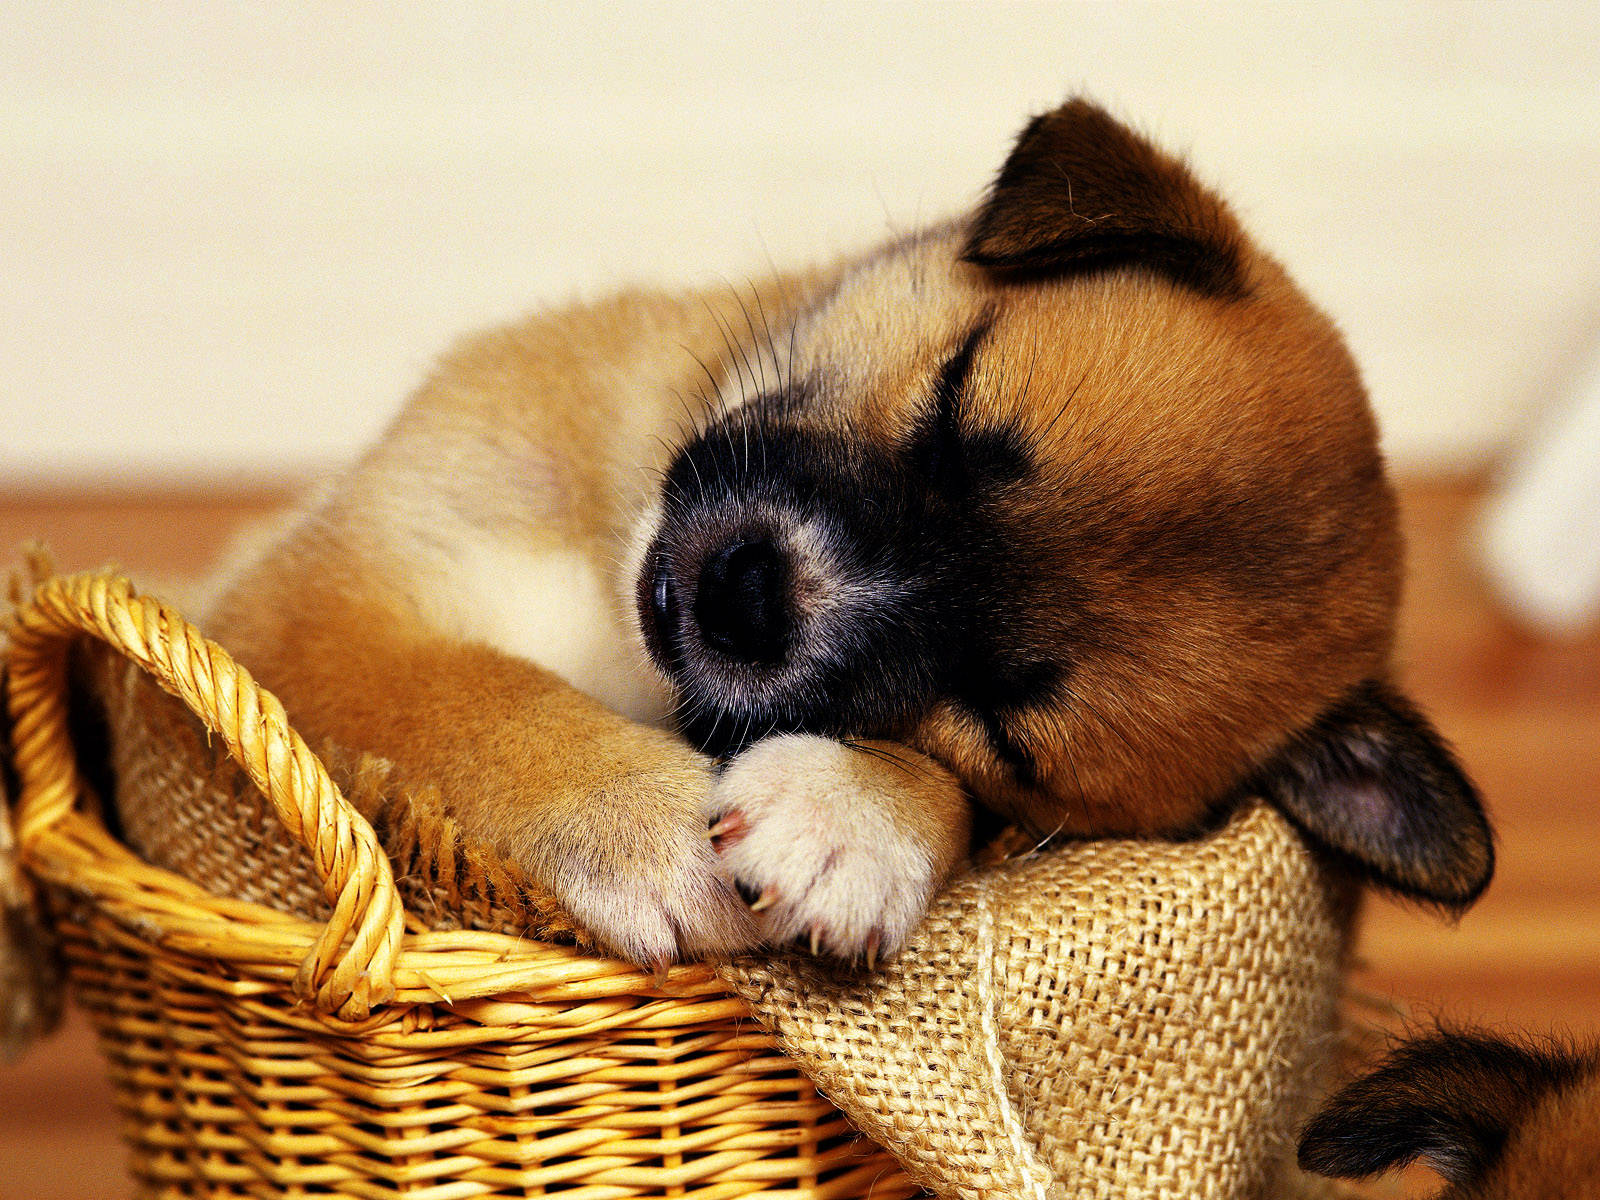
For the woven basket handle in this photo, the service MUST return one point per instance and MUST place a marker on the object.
(351, 966)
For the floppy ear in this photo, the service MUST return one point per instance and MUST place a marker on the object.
(1450, 1100)
(1372, 781)
(1082, 192)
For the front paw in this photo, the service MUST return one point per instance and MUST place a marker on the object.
(837, 848)
(633, 866)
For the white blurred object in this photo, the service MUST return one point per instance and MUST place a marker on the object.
(1540, 537)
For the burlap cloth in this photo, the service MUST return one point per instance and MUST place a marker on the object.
(1108, 1019)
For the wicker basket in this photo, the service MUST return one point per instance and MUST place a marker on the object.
(255, 1053)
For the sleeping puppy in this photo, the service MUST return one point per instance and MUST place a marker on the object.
(1496, 1119)
(1072, 506)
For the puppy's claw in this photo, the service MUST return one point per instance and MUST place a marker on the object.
(816, 941)
(764, 901)
(871, 950)
(728, 829)
(658, 970)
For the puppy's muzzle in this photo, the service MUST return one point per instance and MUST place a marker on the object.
(781, 594)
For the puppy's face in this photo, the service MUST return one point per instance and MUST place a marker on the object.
(1078, 495)
(1498, 1120)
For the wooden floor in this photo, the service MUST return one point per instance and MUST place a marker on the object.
(1524, 713)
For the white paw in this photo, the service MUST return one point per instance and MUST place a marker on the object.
(807, 829)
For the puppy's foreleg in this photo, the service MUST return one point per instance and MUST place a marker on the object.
(839, 846)
(609, 814)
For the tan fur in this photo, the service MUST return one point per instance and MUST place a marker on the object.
(412, 613)
(1554, 1154)
(358, 623)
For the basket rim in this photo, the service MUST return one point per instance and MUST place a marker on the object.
(382, 955)
(78, 855)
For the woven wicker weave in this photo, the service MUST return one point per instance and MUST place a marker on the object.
(1105, 1020)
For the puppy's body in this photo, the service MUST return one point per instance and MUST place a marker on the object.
(1499, 1120)
(454, 606)
(1074, 504)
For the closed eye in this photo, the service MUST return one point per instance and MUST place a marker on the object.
(937, 442)
(995, 689)
(1009, 748)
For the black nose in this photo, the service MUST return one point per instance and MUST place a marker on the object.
(740, 606)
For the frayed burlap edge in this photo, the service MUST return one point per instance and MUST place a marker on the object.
(185, 805)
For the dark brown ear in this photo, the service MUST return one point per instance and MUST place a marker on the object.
(1450, 1100)
(1082, 192)
(1371, 781)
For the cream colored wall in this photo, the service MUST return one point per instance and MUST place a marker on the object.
(231, 236)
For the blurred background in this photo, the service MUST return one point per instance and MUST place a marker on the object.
(236, 235)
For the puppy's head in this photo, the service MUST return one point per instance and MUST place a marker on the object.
(1080, 496)
(1494, 1118)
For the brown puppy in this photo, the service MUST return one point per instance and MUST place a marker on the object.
(1496, 1119)
(1073, 505)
